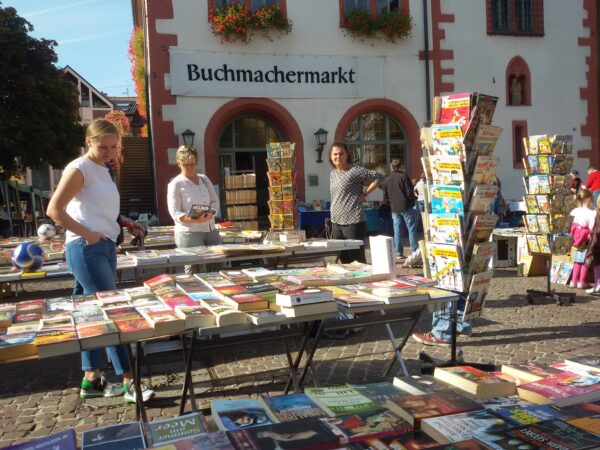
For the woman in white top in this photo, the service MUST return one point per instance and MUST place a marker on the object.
(86, 204)
(185, 190)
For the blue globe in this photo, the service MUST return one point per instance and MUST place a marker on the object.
(28, 256)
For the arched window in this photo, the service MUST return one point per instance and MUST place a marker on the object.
(375, 139)
(518, 83)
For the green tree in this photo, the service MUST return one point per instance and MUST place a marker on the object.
(39, 109)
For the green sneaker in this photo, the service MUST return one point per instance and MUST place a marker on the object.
(99, 388)
(129, 393)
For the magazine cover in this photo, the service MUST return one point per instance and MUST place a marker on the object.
(480, 284)
(446, 199)
(445, 228)
(446, 265)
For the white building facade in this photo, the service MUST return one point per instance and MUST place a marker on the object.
(372, 94)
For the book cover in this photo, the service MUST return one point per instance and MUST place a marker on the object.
(196, 316)
(476, 382)
(458, 427)
(165, 431)
(478, 290)
(549, 434)
(159, 280)
(414, 408)
(481, 257)
(378, 391)
(480, 230)
(590, 363)
(306, 434)
(565, 272)
(485, 140)
(446, 170)
(518, 415)
(258, 273)
(446, 199)
(239, 413)
(379, 424)
(421, 384)
(562, 389)
(590, 424)
(56, 342)
(285, 408)
(485, 170)
(469, 444)
(483, 198)
(224, 313)
(417, 280)
(64, 440)
(98, 334)
(329, 307)
(341, 400)
(445, 228)
(445, 264)
(410, 441)
(456, 109)
(17, 345)
(123, 436)
(216, 440)
(303, 297)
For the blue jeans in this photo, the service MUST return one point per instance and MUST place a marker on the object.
(95, 269)
(596, 195)
(420, 205)
(441, 326)
(409, 218)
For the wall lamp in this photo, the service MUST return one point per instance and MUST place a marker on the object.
(188, 135)
(321, 137)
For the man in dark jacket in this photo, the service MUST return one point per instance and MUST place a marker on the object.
(398, 191)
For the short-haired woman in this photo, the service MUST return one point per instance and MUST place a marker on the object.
(349, 186)
(86, 204)
(187, 189)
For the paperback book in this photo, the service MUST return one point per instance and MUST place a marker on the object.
(166, 431)
(445, 264)
(237, 414)
(458, 427)
(478, 290)
(476, 382)
(286, 408)
(446, 199)
(341, 400)
(123, 436)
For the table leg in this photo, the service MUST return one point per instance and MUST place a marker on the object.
(135, 364)
(311, 353)
(292, 369)
(398, 347)
(453, 322)
(187, 382)
(308, 329)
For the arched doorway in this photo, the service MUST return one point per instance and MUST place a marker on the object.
(241, 149)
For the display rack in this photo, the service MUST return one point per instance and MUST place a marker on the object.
(461, 190)
(240, 200)
(549, 202)
(281, 161)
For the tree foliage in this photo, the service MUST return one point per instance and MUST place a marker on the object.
(39, 108)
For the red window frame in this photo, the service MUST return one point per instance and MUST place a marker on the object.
(404, 7)
(538, 20)
(518, 147)
(281, 4)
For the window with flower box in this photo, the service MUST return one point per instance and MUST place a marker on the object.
(252, 5)
(515, 17)
(373, 7)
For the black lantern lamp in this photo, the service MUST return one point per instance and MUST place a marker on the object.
(188, 137)
(321, 137)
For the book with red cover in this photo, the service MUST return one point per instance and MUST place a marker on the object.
(417, 280)
(562, 389)
(411, 441)
(55, 342)
(481, 384)
(30, 306)
(20, 319)
(134, 329)
(413, 408)
(394, 283)
(122, 313)
(228, 291)
(379, 424)
(98, 334)
(456, 108)
(159, 280)
(179, 300)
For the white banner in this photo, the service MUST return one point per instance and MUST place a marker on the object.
(206, 74)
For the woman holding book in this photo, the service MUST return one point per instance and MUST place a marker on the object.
(86, 204)
(193, 204)
(349, 185)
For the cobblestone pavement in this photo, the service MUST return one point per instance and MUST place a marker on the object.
(41, 397)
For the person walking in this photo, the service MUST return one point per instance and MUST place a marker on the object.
(349, 185)
(86, 204)
(399, 192)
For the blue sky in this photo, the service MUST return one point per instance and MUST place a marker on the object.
(92, 36)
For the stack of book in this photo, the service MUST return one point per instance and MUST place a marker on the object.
(548, 200)
(282, 186)
(462, 187)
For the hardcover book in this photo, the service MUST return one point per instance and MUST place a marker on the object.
(306, 434)
(166, 431)
(123, 436)
(237, 414)
(341, 400)
(414, 408)
(285, 408)
(476, 382)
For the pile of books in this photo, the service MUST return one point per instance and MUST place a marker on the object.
(282, 186)
(461, 180)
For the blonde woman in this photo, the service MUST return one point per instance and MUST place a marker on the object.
(86, 204)
(187, 189)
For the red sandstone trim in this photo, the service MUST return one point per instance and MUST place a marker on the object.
(275, 113)
(397, 111)
(590, 93)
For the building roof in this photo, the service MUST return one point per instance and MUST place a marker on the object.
(126, 104)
